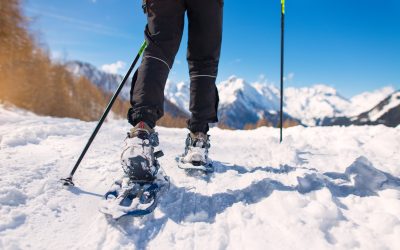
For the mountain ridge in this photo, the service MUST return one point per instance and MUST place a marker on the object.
(243, 103)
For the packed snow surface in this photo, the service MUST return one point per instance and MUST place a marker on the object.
(322, 188)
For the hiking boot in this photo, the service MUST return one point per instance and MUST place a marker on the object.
(138, 159)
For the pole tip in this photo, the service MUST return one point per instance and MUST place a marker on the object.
(67, 182)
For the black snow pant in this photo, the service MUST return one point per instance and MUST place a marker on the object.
(163, 33)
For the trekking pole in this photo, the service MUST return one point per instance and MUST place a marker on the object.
(282, 61)
(68, 181)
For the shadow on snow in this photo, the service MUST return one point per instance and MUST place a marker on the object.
(181, 204)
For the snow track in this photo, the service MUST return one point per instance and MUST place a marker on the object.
(323, 188)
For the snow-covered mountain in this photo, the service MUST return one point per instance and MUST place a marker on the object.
(312, 104)
(270, 93)
(241, 103)
(322, 188)
(106, 81)
(238, 90)
(387, 112)
(178, 94)
(322, 105)
(367, 100)
(244, 103)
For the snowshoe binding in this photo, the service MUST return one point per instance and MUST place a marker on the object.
(195, 158)
(138, 192)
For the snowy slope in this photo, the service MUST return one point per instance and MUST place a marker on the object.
(323, 188)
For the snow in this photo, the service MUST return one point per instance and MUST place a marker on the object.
(322, 188)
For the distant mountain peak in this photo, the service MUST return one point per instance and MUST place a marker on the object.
(242, 103)
(232, 88)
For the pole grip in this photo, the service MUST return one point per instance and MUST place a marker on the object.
(142, 48)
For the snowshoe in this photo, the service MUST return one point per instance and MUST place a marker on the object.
(138, 192)
(195, 157)
(137, 199)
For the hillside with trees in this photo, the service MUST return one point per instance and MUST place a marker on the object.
(32, 81)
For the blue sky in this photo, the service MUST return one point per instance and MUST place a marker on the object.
(352, 45)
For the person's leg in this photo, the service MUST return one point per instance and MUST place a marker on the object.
(163, 34)
(204, 47)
